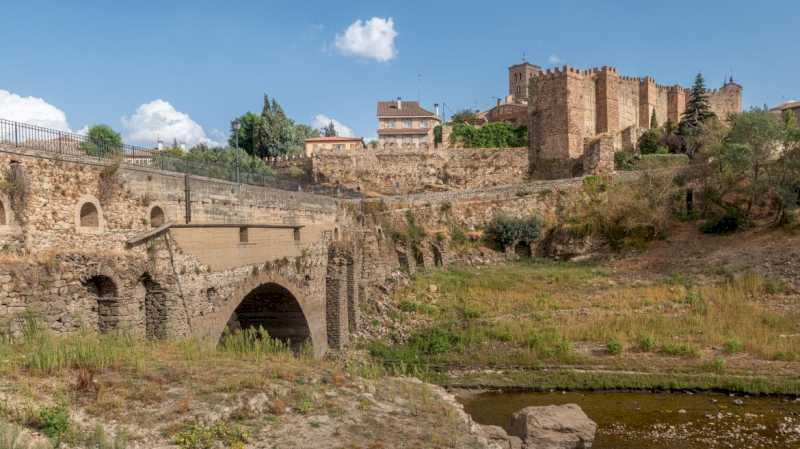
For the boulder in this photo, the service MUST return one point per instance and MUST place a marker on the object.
(554, 427)
(498, 438)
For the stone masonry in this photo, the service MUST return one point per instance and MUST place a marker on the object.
(568, 108)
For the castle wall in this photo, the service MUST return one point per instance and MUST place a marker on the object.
(727, 100)
(398, 170)
(628, 104)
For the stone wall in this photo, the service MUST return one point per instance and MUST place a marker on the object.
(407, 170)
(64, 252)
(569, 107)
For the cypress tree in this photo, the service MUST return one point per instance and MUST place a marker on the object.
(653, 120)
(698, 110)
(329, 131)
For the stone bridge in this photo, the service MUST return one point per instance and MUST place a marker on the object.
(94, 244)
(86, 243)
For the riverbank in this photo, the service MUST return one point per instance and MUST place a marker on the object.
(693, 312)
(114, 391)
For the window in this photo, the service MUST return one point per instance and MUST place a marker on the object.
(338, 146)
(243, 237)
(156, 217)
(423, 124)
(390, 124)
(407, 124)
(89, 216)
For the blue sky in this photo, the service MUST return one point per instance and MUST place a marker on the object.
(209, 61)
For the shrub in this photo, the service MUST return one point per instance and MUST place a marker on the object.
(201, 436)
(625, 160)
(733, 346)
(650, 141)
(646, 343)
(252, 341)
(614, 347)
(730, 221)
(53, 422)
(504, 231)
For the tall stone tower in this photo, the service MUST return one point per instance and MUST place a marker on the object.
(518, 77)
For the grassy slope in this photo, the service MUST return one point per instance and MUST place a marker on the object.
(703, 325)
(113, 391)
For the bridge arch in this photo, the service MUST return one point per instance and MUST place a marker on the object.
(280, 306)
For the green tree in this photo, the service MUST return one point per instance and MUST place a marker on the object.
(329, 131)
(463, 116)
(698, 112)
(492, 135)
(102, 141)
(271, 133)
(653, 120)
(650, 141)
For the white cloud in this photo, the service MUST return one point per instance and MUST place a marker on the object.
(554, 59)
(373, 39)
(160, 120)
(322, 120)
(32, 110)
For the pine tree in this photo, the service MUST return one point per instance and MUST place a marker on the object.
(653, 120)
(698, 110)
(329, 131)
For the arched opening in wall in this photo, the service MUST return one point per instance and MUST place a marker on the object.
(523, 250)
(156, 217)
(90, 218)
(437, 256)
(335, 234)
(402, 259)
(275, 309)
(2, 214)
(419, 258)
(104, 291)
(155, 308)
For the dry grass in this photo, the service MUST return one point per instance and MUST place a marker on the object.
(535, 313)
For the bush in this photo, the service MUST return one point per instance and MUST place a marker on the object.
(680, 350)
(730, 221)
(492, 135)
(504, 231)
(650, 141)
(53, 422)
(625, 160)
(614, 347)
(646, 343)
(733, 346)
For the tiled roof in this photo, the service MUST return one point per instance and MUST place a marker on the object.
(402, 131)
(407, 109)
(787, 105)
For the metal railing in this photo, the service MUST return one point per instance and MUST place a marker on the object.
(67, 144)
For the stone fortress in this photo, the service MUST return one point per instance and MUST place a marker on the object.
(577, 118)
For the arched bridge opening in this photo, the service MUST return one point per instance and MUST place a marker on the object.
(275, 309)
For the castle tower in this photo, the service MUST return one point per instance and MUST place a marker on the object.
(676, 103)
(607, 100)
(648, 96)
(518, 77)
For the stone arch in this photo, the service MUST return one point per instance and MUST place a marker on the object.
(157, 217)
(313, 313)
(104, 290)
(155, 308)
(89, 215)
(523, 250)
(438, 261)
(274, 308)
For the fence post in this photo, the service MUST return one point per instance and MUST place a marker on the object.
(16, 135)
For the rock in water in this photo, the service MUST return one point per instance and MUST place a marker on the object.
(554, 427)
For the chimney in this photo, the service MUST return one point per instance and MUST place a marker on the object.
(436, 109)
(399, 104)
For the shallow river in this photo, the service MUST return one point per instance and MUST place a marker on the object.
(661, 420)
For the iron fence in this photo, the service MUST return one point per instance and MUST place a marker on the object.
(67, 144)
